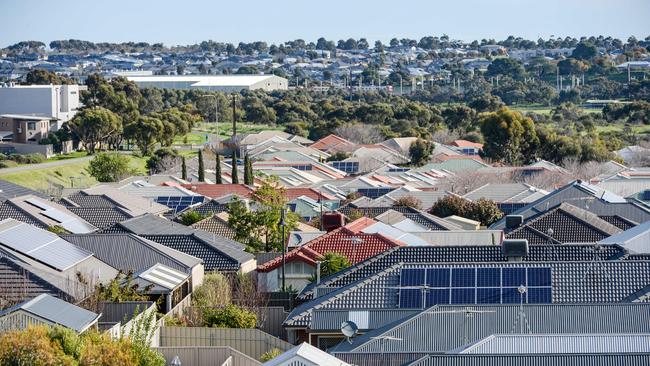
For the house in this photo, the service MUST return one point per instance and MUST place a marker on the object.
(305, 355)
(635, 240)
(509, 197)
(48, 310)
(468, 147)
(218, 253)
(43, 213)
(25, 129)
(332, 144)
(403, 341)
(301, 262)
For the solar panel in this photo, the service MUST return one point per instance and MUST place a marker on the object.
(42, 246)
(475, 285)
(179, 203)
(39, 204)
(374, 192)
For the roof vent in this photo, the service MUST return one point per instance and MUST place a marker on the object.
(514, 221)
(514, 249)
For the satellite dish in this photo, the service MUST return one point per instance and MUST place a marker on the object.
(349, 329)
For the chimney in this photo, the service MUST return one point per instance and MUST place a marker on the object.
(514, 221)
(332, 220)
(514, 249)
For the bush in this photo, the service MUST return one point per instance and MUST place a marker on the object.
(229, 316)
(28, 158)
(333, 263)
(163, 160)
(270, 354)
(483, 210)
(110, 167)
(191, 217)
(213, 292)
(408, 201)
(33, 347)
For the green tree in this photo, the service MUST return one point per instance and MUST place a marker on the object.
(95, 126)
(484, 211)
(44, 77)
(509, 136)
(584, 51)
(201, 167)
(420, 151)
(229, 316)
(217, 170)
(191, 217)
(145, 132)
(333, 263)
(163, 160)
(248, 170)
(234, 173)
(110, 167)
(506, 66)
(459, 117)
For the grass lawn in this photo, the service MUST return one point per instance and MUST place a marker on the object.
(225, 128)
(72, 155)
(65, 175)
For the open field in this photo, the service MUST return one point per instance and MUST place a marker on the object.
(66, 175)
(225, 128)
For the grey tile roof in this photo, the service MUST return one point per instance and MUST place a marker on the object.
(81, 199)
(618, 221)
(572, 282)
(8, 210)
(429, 221)
(506, 192)
(10, 190)
(569, 224)
(128, 252)
(487, 320)
(213, 258)
(217, 252)
(57, 311)
(459, 254)
(216, 225)
(18, 284)
(101, 217)
(587, 197)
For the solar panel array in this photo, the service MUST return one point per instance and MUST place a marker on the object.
(349, 167)
(374, 192)
(41, 246)
(68, 222)
(179, 203)
(398, 170)
(425, 287)
(302, 167)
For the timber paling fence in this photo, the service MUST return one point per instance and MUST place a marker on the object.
(251, 342)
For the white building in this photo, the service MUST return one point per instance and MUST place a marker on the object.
(56, 102)
(223, 83)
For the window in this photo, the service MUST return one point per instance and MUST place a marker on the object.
(31, 125)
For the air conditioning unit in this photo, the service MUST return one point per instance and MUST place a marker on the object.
(20, 130)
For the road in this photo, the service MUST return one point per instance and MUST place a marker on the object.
(49, 164)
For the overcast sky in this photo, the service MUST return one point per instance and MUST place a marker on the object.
(191, 21)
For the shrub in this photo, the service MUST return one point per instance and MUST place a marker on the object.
(408, 201)
(33, 347)
(110, 167)
(57, 229)
(270, 354)
(163, 160)
(229, 316)
(191, 217)
(213, 292)
(28, 158)
(483, 210)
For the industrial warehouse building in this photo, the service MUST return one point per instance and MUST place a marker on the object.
(223, 83)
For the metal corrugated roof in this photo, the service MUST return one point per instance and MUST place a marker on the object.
(163, 276)
(558, 343)
(57, 311)
(518, 360)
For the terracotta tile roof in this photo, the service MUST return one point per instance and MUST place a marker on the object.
(219, 190)
(445, 157)
(465, 143)
(345, 240)
(333, 143)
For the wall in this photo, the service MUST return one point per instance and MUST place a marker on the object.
(251, 342)
(30, 101)
(46, 150)
(201, 356)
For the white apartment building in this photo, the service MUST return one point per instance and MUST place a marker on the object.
(56, 102)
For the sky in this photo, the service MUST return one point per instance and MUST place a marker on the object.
(191, 21)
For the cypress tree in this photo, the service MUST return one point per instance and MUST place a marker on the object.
(235, 178)
(201, 168)
(217, 170)
(248, 171)
(183, 169)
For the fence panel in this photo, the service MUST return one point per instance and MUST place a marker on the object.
(251, 342)
(207, 356)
